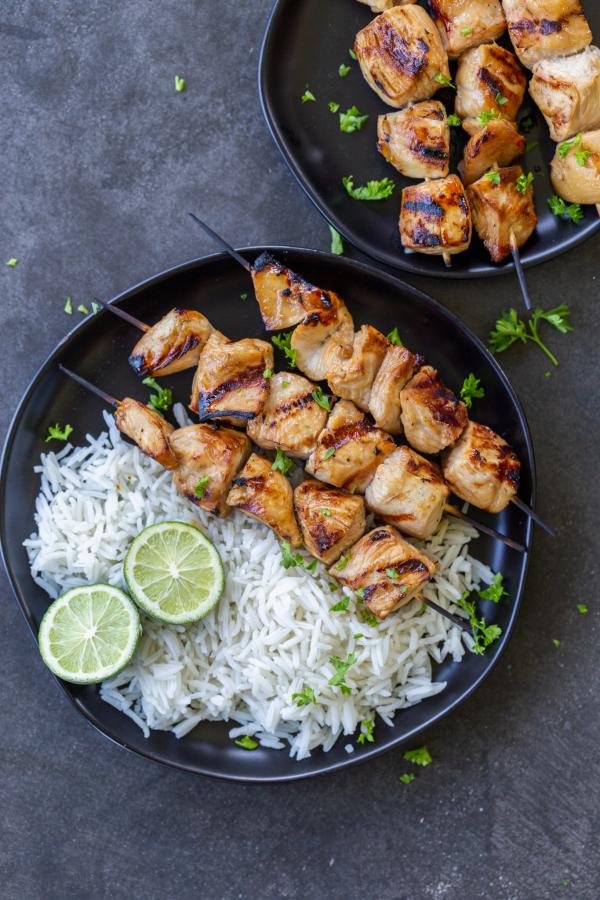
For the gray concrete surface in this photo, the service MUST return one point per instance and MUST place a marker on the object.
(100, 161)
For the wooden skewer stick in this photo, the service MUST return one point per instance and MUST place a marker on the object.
(127, 317)
(485, 529)
(227, 247)
(520, 504)
(514, 249)
(447, 259)
(89, 386)
(456, 620)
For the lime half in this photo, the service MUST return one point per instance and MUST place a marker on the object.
(174, 573)
(89, 634)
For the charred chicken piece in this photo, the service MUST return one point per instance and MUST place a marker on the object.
(400, 54)
(540, 29)
(208, 458)
(498, 142)
(349, 449)
(501, 210)
(326, 330)
(172, 345)
(147, 429)
(352, 377)
(266, 495)
(567, 91)
(576, 173)
(331, 520)
(409, 492)
(387, 569)
(231, 383)
(416, 140)
(291, 418)
(466, 23)
(435, 217)
(490, 83)
(482, 468)
(384, 404)
(432, 416)
(279, 293)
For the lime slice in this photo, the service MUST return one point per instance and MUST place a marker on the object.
(174, 573)
(89, 634)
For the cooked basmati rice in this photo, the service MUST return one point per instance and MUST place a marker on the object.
(273, 632)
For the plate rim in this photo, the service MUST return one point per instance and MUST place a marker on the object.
(325, 767)
(400, 263)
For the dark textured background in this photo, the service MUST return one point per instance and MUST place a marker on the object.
(100, 161)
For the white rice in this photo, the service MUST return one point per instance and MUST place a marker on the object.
(272, 634)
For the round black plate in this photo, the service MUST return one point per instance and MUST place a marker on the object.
(303, 47)
(98, 350)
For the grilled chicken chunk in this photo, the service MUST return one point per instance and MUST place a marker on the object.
(384, 404)
(147, 429)
(264, 494)
(489, 83)
(381, 5)
(400, 53)
(482, 468)
(331, 520)
(230, 378)
(172, 345)
(567, 90)
(326, 330)
(499, 210)
(349, 449)
(467, 23)
(291, 419)
(279, 293)
(409, 492)
(352, 378)
(416, 140)
(576, 174)
(435, 217)
(498, 142)
(386, 568)
(432, 416)
(208, 458)
(540, 29)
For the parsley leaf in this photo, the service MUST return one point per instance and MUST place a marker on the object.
(367, 727)
(95, 308)
(351, 53)
(364, 613)
(202, 484)
(420, 757)
(486, 116)
(68, 307)
(243, 296)
(325, 512)
(341, 667)
(352, 120)
(466, 32)
(558, 207)
(455, 120)
(341, 563)
(444, 80)
(493, 176)
(321, 399)
(307, 96)
(304, 697)
(179, 84)
(329, 453)
(284, 343)
(407, 778)
(343, 70)
(56, 433)
(556, 642)
(162, 399)
(247, 742)
(582, 608)
(471, 389)
(268, 373)
(483, 634)
(565, 146)
(373, 190)
(495, 591)
(82, 309)
(582, 156)
(12, 262)
(282, 463)
(523, 182)
(392, 574)
(333, 107)
(394, 337)
(500, 99)
(337, 244)
(510, 328)
(342, 605)
(289, 559)
(312, 566)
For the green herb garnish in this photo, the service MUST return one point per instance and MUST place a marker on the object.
(559, 208)
(179, 84)
(523, 182)
(95, 308)
(486, 116)
(200, 488)
(82, 309)
(341, 667)
(495, 591)
(321, 399)
(304, 697)
(333, 106)
(510, 328)
(500, 99)
(466, 32)
(471, 390)
(394, 337)
(351, 53)
(56, 433)
(392, 573)
(420, 757)
(243, 296)
(493, 176)
(289, 559)
(565, 146)
(372, 190)
(68, 307)
(556, 642)
(325, 512)
(342, 605)
(444, 80)
(162, 399)
(329, 453)
(247, 742)
(582, 608)
(268, 373)
(343, 70)
(12, 262)
(352, 120)
(282, 463)
(367, 727)
(455, 120)
(284, 343)
(337, 244)
(341, 563)
(483, 634)
(407, 778)
(308, 96)
(531, 145)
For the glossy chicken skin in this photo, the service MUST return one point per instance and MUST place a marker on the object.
(498, 142)
(500, 210)
(147, 429)
(279, 293)
(489, 80)
(540, 29)
(416, 140)
(573, 181)
(266, 495)
(467, 23)
(432, 416)
(352, 377)
(326, 329)
(409, 492)
(291, 419)
(482, 468)
(230, 384)
(567, 91)
(172, 345)
(386, 568)
(208, 452)
(400, 53)
(349, 449)
(435, 217)
(331, 520)
(384, 403)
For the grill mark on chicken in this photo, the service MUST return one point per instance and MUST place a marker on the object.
(400, 51)
(548, 26)
(427, 206)
(245, 379)
(296, 403)
(348, 432)
(490, 80)
(425, 238)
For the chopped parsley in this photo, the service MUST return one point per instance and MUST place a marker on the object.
(500, 99)
(444, 80)
(162, 399)
(372, 190)
(392, 573)
(352, 120)
(420, 757)
(284, 342)
(329, 453)
(394, 337)
(455, 120)
(351, 53)
(68, 307)
(471, 390)
(367, 727)
(337, 244)
(321, 399)
(582, 609)
(483, 634)
(289, 559)
(556, 642)
(82, 309)
(12, 262)
(304, 697)
(243, 296)
(407, 778)
(493, 176)
(95, 308)
(56, 433)
(466, 32)
(179, 84)
(341, 563)
(268, 373)
(558, 207)
(523, 182)
(200, 488)
(582, 156)
(325, 512)
(282, 463)
(333, 106)
(566, 146)
(486, 116)
(495, 591)
(341, 667)
(308, 96)
(364, 613)
(311, 566)
(342, 605)
(247, 742)
(343, 70)
(510, 328)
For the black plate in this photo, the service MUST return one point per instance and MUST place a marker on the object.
(98, 350)
(303, 46)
